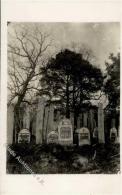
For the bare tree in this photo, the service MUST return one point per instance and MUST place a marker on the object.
(27, 52)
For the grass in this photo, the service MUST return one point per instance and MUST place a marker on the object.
(56, 159)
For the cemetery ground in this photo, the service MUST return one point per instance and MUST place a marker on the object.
(57, 159)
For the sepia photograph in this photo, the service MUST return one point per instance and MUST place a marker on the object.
(63, 98)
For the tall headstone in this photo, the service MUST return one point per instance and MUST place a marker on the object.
(46, 122)
(79, 121)
(101, 135)
(10, 124)
(33, 126)
(113, 122)
(26, 118)
(51, 118)
(91, 120)
(57, 120)
(85, 118)
(39, 120)
(118, 136)
(72, 119)
(118, 132)
(58, 115)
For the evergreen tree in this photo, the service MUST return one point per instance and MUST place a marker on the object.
(112, 81)
(71, 79)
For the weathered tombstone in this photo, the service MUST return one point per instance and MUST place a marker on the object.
(57, 118)
(91, 120)
(72, 119)
(95, 133)
(46, 121)
(65, 132)
(101, 135)
(118, 136)
(10, 124)
(113, 122)
(33, 125)
(83, 136)
(52, 137)
(39, 120)
(58, 115)
(85, 118)
(26, 118)
(24, 136)
(113, 135)
(51, 118)
(80, 121)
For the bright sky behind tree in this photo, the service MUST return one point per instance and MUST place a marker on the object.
(101, 38)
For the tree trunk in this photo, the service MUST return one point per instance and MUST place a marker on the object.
(17, 107)
(74, 108)
(16, 124)
(67, 98)
(43, 135)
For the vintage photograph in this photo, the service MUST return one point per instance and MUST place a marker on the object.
(63, 98)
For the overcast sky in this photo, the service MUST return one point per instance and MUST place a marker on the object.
(101, 38)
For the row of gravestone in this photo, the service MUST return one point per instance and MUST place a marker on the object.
(64, 135)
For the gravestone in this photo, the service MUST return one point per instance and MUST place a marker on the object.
(33, 125)
(52, 137)
(26, 118)
(113, 122)
(118, 136)
(39, 120)
(85, 118)
(58, 115)
(79, 121)
(51, 118)
(65, 132)
(46, 121)
(113, 135)
(83, 136)
(57, 118)
(101, 136)
(91, 120)
(24, 136)
(72, 119)
(10, 124)
(95, 133)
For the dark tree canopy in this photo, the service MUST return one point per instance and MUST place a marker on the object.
(71, 79)
(112, 84)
